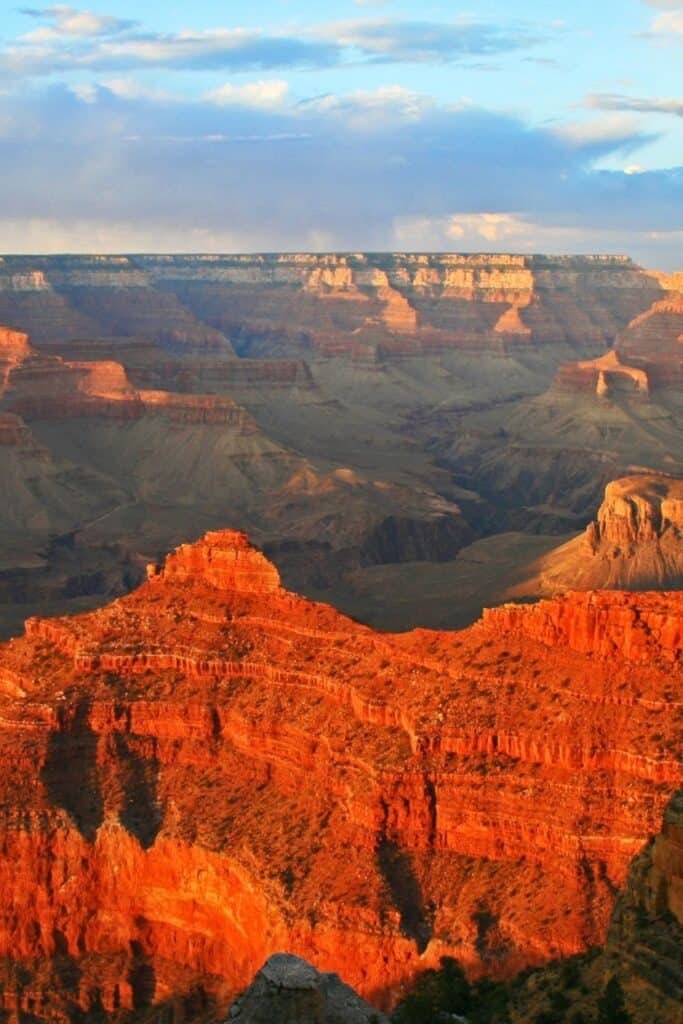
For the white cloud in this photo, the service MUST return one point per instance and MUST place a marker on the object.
(266, 94)
(493, 227)
(669, 24)
(85, 91)
(389, 39)
(510, 232)
(612, 128)
(640, 105)
(68, 21)
(147, 174)
(130, 89)
(69, 39)
(364, 108)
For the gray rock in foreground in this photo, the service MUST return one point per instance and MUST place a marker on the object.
(289, 990)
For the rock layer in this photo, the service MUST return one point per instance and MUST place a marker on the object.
(212, 769)
(335, 303)
(635, 541)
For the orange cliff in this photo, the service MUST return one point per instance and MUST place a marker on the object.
(212, 769)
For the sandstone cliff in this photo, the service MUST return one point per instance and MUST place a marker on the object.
(212, 769)
(634, 542)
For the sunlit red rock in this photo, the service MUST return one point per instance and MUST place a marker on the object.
(213, 769)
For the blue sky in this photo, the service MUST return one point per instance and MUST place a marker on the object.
(226, 126)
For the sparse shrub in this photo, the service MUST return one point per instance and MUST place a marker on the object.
(571, 973)
(559, 1001)
(612, 1006)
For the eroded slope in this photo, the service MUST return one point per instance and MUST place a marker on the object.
(212, 769)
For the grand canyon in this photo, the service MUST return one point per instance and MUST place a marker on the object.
(341, 617)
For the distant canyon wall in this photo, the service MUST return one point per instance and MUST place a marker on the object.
(363, 305)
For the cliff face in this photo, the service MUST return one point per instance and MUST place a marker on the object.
(58, 298)
(634, 542)
(660, 327)
(212, 769)
(410, 390)
(405, 303)
(645, 936)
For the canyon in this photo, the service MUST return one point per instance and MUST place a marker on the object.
(213, 769)
(230, 751)
(367, 418)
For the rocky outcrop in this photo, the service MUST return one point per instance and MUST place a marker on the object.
(215, 769)
(50, 388)
(225, 560)
(289, 990)
(14, 345)
(14, 433)
(57, 298)
(642, 629)
(645, 937)
(638, 510)
(634, 542)
(605, 376)
(659, 328)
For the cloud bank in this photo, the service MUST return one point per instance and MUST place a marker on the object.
(371, 170)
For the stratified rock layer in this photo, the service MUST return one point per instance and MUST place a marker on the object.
(333, 303)
(634, 542)
(212, 769)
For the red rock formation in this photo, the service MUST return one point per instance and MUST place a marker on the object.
(646, 932)
(606, 375)
(14, 345)
(635, 542)
(599, 623)
(225, 560)
(212, 769)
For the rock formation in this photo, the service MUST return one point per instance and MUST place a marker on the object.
(660, 327)
(212, 769)
(195, 303)
(348, 410)
(645, 936)
(604, 376)
(140, 441)
(289, 990)
(635, 542)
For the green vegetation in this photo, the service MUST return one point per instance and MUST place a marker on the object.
(611, 1005)
(554, 994)
(447, 991)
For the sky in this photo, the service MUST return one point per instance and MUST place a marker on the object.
(275, 125)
